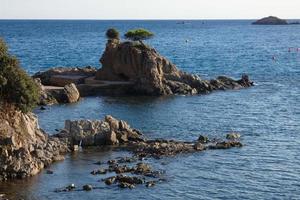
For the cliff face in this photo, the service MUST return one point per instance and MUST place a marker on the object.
(24, 148)
(152, 74)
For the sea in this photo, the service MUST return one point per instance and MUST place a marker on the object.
(267, 115)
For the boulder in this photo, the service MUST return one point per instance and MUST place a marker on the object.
(271, 20)
(71, 93)
(153, 74)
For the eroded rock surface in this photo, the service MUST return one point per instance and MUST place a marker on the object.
(109, 131)
(152, 74)
(24, 148)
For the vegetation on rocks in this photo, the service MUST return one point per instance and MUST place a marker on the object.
(112, 33)
(16, 87)
(138, 35)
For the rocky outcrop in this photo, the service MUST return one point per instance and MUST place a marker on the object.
(109, 131)
(271, 20)
(50, 95)
(152, 74)
(61, 76)
(24, 148)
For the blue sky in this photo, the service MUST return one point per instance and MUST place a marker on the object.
(148, 9)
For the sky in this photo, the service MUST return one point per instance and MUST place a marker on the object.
(148, 9)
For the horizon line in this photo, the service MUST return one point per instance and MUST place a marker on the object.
(172, 19)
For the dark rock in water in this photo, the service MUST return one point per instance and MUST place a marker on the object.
(150, 183)
(152, 74)
(126, 185)
(42, 108)
(71, 187)
(226, 145)
(271, 20)
(110, 180)
(87, 187)
(50, 172)
(99, 171)
(203, 139)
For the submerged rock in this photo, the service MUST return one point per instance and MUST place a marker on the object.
(87, 187)
(271, 20)
(152, 74)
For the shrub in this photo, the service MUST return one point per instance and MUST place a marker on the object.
(138, 34)
(16, 87)
(112, 34)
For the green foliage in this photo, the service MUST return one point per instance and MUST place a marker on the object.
(138, 34)
(16, 87)
(112, 34)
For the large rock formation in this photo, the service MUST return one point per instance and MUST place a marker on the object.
(271, 20)
(152, 74)
(24, 148)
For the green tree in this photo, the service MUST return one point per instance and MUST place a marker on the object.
(16, 87)
(138, 35)
(112, 34)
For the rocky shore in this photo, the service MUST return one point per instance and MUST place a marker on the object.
(24, 148)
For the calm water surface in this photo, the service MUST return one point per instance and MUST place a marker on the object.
(267, 115)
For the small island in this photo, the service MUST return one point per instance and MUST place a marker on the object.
(271, 20)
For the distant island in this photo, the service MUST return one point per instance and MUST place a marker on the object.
(271, 20)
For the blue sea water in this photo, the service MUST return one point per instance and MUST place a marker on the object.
(267, 115)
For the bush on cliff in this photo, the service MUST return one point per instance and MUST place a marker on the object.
(112, 34)
(139, 35)
(16, 87)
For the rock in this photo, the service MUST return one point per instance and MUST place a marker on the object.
(42, 108)
(109, 131)
(150, 183)
(53, 95)
(142, 168)
(50, 172)
(99, 171)
(271, 20)
(199, 146)
(152, 74)
(71, 93)
(203, 139)
(233, 136)
(87, 187)
(226, 145)
(71, 187)
(126, 185)
(24, 148)
(110, 180)
(111, 138)
(61, 76)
